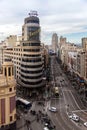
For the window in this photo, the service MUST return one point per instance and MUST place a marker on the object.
(10, 89)
(5, 72)
(12, 71)
(10, 118)
(12, 104)
(9, 71)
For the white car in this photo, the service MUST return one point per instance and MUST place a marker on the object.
(45, 128)
(53, 109)
(85, 124)
(74, 117)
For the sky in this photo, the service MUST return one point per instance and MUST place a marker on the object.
(64, 17)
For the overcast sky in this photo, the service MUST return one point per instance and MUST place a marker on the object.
(64, 17)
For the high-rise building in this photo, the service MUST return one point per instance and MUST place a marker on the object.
(27, 57)
(84, 43)
(31, 69)
(7, 97)
(62, 40)
(54, 42)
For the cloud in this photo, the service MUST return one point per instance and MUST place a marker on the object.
(62, 17)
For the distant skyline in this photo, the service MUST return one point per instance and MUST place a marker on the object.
(66, 17)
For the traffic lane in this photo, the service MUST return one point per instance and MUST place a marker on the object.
(78, 100)
(74, 107)
(72, 95)
(61, 117)
(83, 110)
(69, 100)
(82, 115)
(69, 84)
(56, 119)
(76, 95)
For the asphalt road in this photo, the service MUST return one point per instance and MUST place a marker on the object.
(68, 102)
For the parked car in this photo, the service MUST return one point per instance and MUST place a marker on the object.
(85, 124)
(52, 109)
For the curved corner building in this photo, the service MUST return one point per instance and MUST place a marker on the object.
(31, 61)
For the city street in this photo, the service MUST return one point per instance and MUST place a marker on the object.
(68, 102)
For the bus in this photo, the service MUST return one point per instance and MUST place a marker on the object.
(23, 104)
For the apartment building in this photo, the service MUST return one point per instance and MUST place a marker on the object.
(11, 40)
(7, 97)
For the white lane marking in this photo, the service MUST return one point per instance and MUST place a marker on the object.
(76, 102)
(79, 111)
(63, 119)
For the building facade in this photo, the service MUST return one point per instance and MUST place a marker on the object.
(11, 40)
(84, 43)
(27, 57)
(7, 97)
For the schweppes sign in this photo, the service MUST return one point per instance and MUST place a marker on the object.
(34, 33)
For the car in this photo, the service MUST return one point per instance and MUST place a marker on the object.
(74, 117)
(45, 128)
(52, 109)
(85, 124)
(46, 124)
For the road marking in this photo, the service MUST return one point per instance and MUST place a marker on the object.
(76, 102)
(69, 126)
(79, 111)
